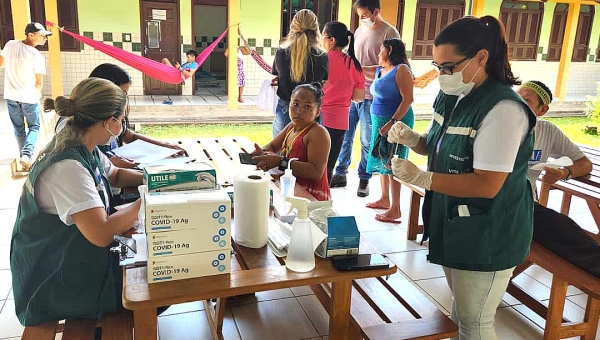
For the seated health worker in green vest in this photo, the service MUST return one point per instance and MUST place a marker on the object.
(478, 207)
(59, 258)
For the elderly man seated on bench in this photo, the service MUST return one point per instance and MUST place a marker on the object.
(553, 230)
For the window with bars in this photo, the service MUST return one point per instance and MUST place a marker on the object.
(582, 37)
(432, 17)
(523, 21)
(67, 18)
(326, 11)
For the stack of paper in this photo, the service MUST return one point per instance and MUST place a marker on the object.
(146, 154)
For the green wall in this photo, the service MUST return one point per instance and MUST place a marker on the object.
(345, 12)
(408, 25)
(185, 19)
(595, 36)
(109, 15)
(261, 20)
(546, 26)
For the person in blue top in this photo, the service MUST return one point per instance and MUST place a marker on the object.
(392, 91)
(189, 67)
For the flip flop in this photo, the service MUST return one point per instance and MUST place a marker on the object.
(385, 219)
(168, 102)
(376, 205)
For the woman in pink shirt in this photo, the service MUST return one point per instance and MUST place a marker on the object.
(345, 82)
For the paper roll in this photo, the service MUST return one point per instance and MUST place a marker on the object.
(251, 209)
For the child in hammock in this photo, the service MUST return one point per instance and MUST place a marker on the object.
(188, 68)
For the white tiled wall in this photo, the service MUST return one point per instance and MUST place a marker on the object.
(255, 74)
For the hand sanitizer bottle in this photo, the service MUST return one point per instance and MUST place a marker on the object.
(288, 183)
(300, 256)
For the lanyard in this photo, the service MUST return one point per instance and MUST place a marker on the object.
(286, 150)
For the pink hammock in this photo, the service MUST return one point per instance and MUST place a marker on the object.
(149, 67)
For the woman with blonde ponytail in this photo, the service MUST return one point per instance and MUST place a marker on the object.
(60, 257)
(300, 60)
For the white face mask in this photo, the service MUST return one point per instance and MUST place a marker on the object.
(452, 84)
(367, 22)
(113, 137)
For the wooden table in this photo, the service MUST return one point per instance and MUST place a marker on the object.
(252, 270)
(586, 187)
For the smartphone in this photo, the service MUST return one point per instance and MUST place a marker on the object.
(246, 158)
(360, 262)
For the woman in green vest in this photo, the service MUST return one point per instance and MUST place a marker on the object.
(60, 260)
(478, 206)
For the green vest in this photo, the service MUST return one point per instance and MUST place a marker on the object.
(56, 272)
(497, 232)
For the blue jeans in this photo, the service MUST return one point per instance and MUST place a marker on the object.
(359, 113)
(282, 116)
(475, 298)
(19, 114)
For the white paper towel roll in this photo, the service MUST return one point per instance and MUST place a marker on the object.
(251, 209)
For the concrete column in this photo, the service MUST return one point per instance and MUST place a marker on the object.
(55, 70)
(567, 50)
(21, 17)
(233, 15)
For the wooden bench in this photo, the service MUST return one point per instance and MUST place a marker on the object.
(113, 326)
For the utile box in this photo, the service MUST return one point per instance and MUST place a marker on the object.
(206, 211)
(170, 268)
(190, 176)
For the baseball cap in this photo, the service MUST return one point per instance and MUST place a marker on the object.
(34, 27)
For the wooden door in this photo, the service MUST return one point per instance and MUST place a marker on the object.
(523, 22)
(431, 19)
(160, 39)
(6, 23)
(582, 37)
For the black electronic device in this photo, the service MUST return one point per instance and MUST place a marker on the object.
(246, 158)
(360, 262)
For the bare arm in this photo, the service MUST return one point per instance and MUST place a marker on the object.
(358, 95)
(421, 147)
(131, 136)
(39, 82)
(99, 229)
(125, 178)
(580, 167)
(479, 183)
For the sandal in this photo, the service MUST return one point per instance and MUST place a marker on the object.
(376, 205)
(383, 218)
(168, 102)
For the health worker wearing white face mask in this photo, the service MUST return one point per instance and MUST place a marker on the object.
(478, 208)
(60, 260)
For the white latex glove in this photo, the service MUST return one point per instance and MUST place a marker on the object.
(402, 134)
(407, 172)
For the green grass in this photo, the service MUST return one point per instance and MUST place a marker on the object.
(261, 133)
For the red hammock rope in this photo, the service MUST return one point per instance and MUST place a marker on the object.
(149, 67)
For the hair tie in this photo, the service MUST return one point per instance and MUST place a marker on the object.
(541, 93)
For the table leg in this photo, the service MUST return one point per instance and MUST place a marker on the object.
(413, 216)
(339, 323)
(565, 206)
(215, 314)
(595, 210)
(145, 324)
(544, 193)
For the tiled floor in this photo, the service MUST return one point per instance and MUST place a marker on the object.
(293, 314)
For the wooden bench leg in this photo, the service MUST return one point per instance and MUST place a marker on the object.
(565, 206)
(592, 313)
(145, 324)
(544, 193)
(413, 216)
(215, 316)
(556, 306)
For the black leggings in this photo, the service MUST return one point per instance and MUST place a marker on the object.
(337, 138)
(561, 235)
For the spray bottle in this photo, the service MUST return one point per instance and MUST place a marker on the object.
(300, 256)
(288, 183)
